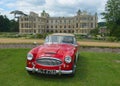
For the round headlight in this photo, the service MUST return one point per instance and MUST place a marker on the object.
(68, 59)
(30, 56)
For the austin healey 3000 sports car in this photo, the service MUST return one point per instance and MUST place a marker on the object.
(58, 55)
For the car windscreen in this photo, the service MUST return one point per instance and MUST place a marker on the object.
(60, 39)
(67, 39)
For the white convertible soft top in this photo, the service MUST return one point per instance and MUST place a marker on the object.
(63, 34)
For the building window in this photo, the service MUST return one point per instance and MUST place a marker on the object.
(84, 18)
(80, 25)
(91, 25)
(51, 31)
(69, 26)
(69, 31)
(42, 20)
(25, 25)
(64, 21)
(34, 25)
(91, 18)
(26, 19)
(60, 26)
(21, 19)
(55, 31)
(29, 25)
(83, 25)
(56, 21)
(64, 31)
(56, 26)
(69, 21)
(51, 26)
(64, 26)
(60, 21)
(22, 25)
(34, 19)
(51, 21)
(39, 19)
(34, 31)
(76, 25)
(76, 18)
(76, 30)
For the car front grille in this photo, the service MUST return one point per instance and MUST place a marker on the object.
(49, 61)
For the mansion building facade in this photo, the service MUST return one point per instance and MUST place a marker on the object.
(81, 23)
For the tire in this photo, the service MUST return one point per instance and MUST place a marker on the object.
(73, 69)
(30, 72)
(78, 56)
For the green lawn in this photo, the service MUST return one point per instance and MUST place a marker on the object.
(93, 69)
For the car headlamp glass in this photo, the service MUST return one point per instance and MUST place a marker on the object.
(29, 56)
(68, 59)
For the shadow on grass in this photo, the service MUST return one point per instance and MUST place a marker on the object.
(80, 74)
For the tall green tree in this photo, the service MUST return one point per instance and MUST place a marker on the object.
(7, 25)
(18, 13)
(94, 32)
(112, 17)
(14, 26)
(4, 24)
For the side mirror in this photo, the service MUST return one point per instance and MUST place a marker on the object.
(35, 43)
(76, 45)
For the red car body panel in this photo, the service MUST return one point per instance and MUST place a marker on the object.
(56, 51)
(53, 50)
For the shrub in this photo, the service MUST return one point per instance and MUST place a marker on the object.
(111, 39)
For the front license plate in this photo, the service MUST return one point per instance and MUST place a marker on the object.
(46, 71)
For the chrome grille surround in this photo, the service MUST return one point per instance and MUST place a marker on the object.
(49, 61)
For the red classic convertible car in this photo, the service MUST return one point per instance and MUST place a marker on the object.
(58, 55)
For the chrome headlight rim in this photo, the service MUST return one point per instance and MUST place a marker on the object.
(68, 59)
(29, 56)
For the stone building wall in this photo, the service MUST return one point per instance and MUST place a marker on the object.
(82, 23)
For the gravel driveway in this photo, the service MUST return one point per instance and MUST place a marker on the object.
(88, 49)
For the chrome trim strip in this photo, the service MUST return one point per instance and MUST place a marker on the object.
(52, 58)
(29, 69)
(49, 58)
(57, 71)
(64, 71)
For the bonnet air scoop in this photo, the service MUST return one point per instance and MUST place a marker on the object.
(50, 52)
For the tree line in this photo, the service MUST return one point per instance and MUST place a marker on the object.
(112, 17)
(7, 25)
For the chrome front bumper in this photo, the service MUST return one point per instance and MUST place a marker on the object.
(57, 71)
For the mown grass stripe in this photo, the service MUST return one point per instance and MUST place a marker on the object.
(93, 69)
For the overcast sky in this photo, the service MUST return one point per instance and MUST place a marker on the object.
(53, 7)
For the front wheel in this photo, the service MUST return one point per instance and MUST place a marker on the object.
(30, 72)
(73, 69)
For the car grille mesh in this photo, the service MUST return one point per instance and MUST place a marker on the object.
(49, 61)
